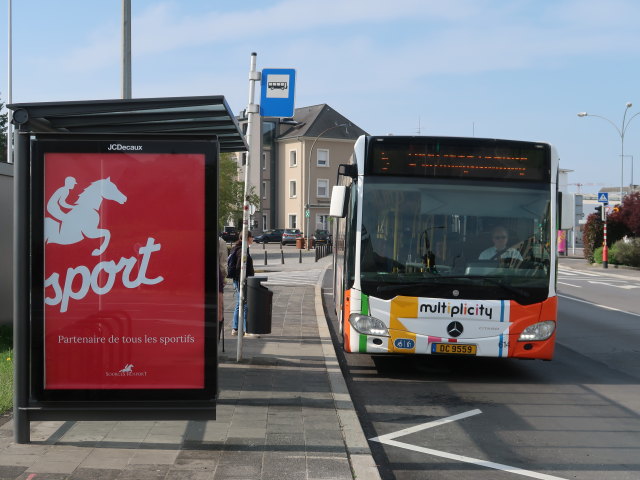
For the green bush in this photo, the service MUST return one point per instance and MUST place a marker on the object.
(6, 368)
(613, 257)
(628, 252)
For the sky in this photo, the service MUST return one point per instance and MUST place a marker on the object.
(513, 69)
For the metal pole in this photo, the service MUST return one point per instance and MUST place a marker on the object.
(622, 158)
(126, 48)
(605, 249)
(9, 86)
(253, 121)
(21, 286)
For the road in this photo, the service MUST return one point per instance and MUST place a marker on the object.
(577, 416)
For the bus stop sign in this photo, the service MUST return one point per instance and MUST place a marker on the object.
(277, 88)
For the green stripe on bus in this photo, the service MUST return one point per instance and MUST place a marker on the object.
(364, 304)
(362, 347)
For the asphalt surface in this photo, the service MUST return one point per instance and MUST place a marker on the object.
(577, 416)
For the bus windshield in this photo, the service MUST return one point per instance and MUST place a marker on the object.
(449, 238)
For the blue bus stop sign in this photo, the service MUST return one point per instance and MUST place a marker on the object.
(277, 88)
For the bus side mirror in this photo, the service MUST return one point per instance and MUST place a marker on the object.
(338, 206)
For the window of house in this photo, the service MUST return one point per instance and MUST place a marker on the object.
(264, 222)
(293, 159)
(322, 189)
(292, 189)
(293, 221)
(264, 161)
(322, 157)
(264, 190)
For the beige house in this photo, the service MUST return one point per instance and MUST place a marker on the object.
(298, 167)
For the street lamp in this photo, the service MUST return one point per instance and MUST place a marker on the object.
(308, 206)
(621, 131)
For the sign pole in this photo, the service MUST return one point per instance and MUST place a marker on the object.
(605, 249)
(253, 122)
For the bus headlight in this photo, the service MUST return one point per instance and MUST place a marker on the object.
(368, 325)
(538, 331)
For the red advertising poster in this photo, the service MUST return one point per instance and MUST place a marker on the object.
(124, 270)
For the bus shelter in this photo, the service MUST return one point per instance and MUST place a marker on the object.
(115, 258)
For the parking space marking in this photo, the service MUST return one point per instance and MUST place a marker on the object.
(388, 439)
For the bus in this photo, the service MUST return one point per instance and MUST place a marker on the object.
(447, 246)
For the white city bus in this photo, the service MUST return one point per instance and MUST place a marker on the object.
(447, 245)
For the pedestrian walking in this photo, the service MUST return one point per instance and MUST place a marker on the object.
(233, 266)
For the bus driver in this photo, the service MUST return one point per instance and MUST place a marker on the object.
(500, 237)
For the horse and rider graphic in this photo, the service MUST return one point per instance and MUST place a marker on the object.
(82, 219)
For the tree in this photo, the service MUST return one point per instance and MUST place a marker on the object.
(231, 192)
(593, 235)
(3, 133)
(630, 213)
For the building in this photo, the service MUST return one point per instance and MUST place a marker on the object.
(298, 167)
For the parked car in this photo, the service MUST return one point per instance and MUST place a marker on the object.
(230, 234)
(290, 235)
(274, 235)
(321, 237)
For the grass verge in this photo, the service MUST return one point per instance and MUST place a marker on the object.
(6, 368)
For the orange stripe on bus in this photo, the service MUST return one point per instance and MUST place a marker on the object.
(346, 311)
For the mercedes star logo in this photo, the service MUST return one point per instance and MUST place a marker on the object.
(455, 329)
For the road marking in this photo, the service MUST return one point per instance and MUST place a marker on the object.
(626, 287)
(578, 272)
(570, 284)
(388, 439)
(598, 305)
(566, 272)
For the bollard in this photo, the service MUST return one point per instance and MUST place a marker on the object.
(265, 257)
(282, 254)
(317, 252)
(300, 261)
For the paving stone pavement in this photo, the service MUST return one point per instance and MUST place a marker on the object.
(283, 412)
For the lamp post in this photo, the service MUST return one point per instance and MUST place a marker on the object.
(621, 131)
(308, 206)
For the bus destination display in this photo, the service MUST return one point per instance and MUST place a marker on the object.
(442, 157)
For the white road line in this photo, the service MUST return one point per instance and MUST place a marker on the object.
(424, 426)
(475, 461)
(566, 272)
(570, 284)
(625, 287)
(388, 440)
(598, 305)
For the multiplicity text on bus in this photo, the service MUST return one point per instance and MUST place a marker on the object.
(447, 245)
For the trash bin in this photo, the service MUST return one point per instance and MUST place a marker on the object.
(259, 306)
(300, 243)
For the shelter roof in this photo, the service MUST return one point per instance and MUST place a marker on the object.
(184, 115)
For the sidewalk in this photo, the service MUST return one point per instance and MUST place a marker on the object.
(283, 412)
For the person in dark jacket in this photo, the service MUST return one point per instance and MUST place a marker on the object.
(237, 251)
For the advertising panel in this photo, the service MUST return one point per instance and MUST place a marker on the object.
(127, 295)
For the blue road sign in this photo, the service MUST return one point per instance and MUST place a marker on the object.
(277, 89)
(603, 197)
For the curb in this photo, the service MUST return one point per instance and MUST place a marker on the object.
(360, 458)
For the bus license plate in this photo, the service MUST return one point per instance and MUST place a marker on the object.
(454, 348)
